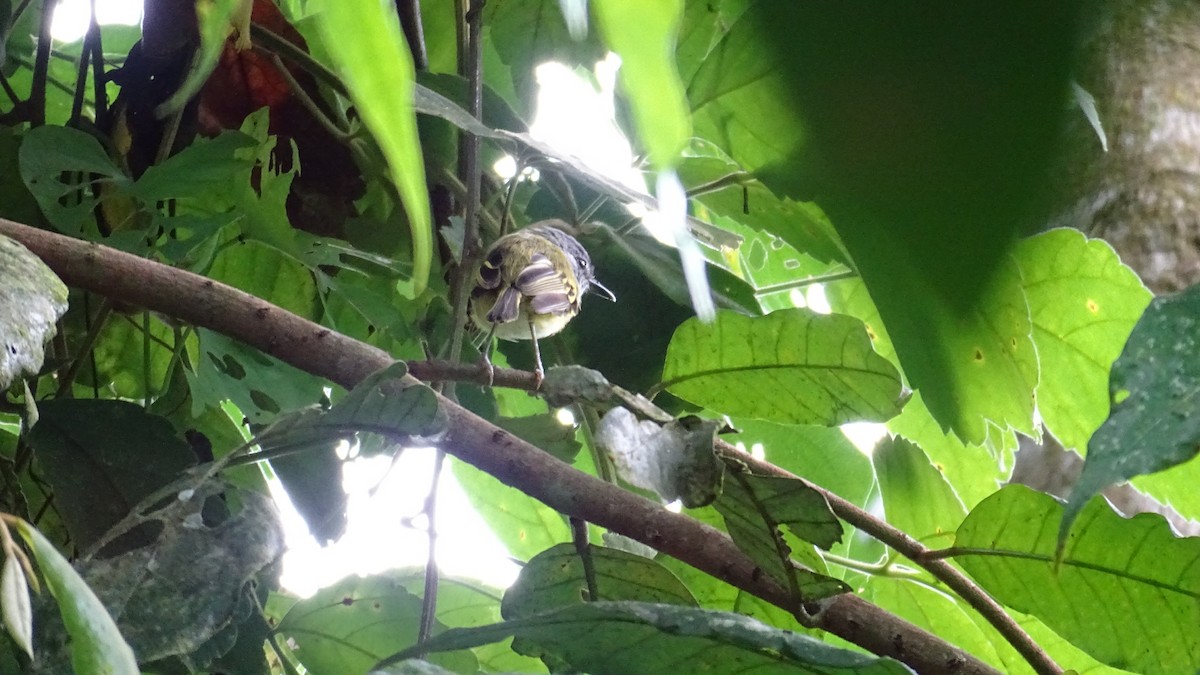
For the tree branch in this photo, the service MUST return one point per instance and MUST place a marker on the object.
(345, 361)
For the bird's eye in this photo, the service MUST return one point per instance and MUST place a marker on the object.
(583, 263)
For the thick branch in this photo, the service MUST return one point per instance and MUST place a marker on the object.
(323, 352)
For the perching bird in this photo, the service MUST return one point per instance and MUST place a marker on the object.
(530, 285)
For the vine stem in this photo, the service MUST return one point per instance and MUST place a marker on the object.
(345, 361)
(432, 573)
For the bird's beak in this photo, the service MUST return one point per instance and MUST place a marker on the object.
(599, 289)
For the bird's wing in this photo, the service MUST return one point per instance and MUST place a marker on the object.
(506, 307)
(545, 287)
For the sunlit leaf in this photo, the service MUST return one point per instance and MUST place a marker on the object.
(1125, 590)
(1083, 303)
(378, 70)
(643, 35)
(916, 496)
(794, 367)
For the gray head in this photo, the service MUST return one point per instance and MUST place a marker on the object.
(581, 262)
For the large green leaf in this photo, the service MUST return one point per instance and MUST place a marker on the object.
(927, 154)
(756, 507)
(643, 35)
(793, 367)
(1125, 591)
(351, 625)
(64, 168)
(205, 166)
(366, 43)
(102, 458)
(96, 644)
(630, 637)
(1083, 303)
(555, 578)
(1155, 387)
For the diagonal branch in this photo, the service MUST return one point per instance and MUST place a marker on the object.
(345, 361)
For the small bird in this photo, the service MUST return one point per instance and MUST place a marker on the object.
(530, 285)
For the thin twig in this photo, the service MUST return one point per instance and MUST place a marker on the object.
(579, 535)
(432, 574)
(9, 91)
(85, 349)
(93, 42)
(414, 32)
(469, 151)
(309, 104)
(41, 67)
(737, 178)
(295, 54)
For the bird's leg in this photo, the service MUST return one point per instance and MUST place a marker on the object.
(485, 359)
(539, 373)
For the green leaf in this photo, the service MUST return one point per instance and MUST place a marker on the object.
(546, 432)
(748, 201)
(378, 70)
(1125, 591)
(96, 644)
(33, 301)
(102, 458)
(925, 192)
(792, 367)
(822, 455)
(1083, 303)
(1155, 386)
(261, 386)
(64, 168)
(350, 626)
(15, 604)
(972, 368)
(265, 272)
(972, 470)
(527, 33)
(754, 509)
(204, 166)
(916, 496)
(630, 637)
(554, 578)
(643, 35)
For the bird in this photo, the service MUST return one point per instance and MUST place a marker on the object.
(530, 285)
